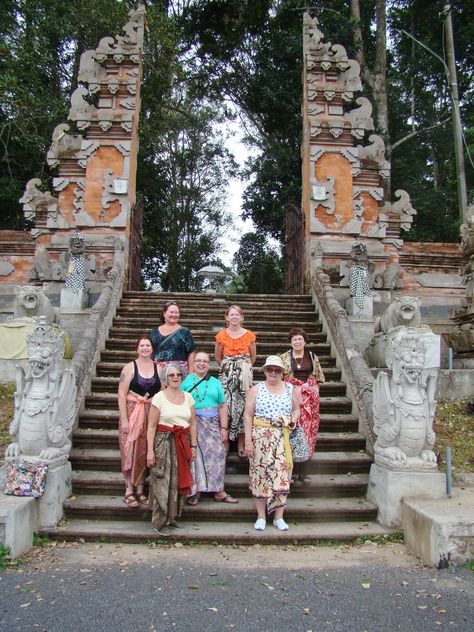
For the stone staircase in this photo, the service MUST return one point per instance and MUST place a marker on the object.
(333, 507)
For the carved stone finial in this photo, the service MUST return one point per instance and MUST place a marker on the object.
(404, 208)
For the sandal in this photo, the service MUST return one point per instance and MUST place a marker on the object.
(306, 480)
(131, 501)
(226, 499)
(192, 500)
(142, 499)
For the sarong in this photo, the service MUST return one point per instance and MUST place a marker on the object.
(236, 377)
(133, 443)
(170, 477)
(270, 466)
(209, 466)
(308, 394)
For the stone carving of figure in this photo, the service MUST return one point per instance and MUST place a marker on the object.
(31, 302)
(76, 269)
(44, 400)
(359, 273)
(404, 408)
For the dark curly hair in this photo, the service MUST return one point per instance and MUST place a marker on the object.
(297, 331)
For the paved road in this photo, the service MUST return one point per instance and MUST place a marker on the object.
(111, 588)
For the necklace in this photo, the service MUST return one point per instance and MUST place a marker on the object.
(300, 363)
(200, 398)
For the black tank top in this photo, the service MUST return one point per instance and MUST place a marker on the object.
(143, 385)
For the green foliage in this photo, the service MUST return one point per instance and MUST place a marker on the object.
(454, 427)
(469, 565)
(40, 540)
(6, 413)
(259, 266)
(4, 556)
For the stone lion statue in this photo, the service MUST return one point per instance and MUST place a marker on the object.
(31, 302)
(403, 311)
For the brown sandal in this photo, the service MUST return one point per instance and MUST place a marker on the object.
(131, 501)
(142, 499)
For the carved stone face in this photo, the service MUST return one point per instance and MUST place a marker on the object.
(407, 307)
(28, 297)
(76, 246)
(39, 367)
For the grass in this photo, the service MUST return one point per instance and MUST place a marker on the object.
(6, 414)
(454, 427)
(469, 566)
(4, 557)
(40, 540)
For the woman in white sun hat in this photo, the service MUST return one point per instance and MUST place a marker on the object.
(271, 411)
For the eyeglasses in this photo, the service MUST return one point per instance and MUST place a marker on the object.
(202, 361)
(174, 375)
(273, 370)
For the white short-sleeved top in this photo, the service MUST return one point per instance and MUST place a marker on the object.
(173, 414)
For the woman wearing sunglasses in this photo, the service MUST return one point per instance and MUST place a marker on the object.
(271, 411)
(171, 441)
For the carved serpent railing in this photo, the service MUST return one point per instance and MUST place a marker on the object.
(102, 313)
(357, 372)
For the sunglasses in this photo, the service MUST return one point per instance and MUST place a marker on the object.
(273, 370)
(174, 375)
(168, 303)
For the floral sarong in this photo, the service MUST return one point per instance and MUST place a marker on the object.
(270, 466)
(308, 395)
(133, 443)
(209, 466)
(236, 377)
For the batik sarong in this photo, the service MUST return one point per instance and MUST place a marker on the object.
(308, 396)
(209, 466)
(170, 477)
(236, 377)
(271, 464)
(133, 442)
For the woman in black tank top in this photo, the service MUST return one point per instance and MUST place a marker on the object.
(139, 381)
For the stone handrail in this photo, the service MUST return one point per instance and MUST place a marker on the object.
(356, 370)
(102, 313)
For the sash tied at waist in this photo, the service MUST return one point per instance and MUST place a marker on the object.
(284, 423)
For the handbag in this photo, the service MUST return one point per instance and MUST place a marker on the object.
(299, 445)
(26, 478)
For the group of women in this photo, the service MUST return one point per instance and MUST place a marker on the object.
(177, 421)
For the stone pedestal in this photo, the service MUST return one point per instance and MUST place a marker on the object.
(71, 300)
(58, 488)
(434, 529)
(387, 488)
(18, 520)
(366, 311)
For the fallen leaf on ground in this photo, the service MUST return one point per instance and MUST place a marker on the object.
(213, 609)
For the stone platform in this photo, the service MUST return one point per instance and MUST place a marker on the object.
(437, 528)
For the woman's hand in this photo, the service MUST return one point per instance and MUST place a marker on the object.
(193, 452)
(150, 459)
(125, 427)
(248, 448)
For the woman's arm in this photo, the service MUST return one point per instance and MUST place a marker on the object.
(253, 352)
(191, 361)
(249, 412)
(224, 423)
(295, 407)
(192, 431)
(218, 352)
(153, 419)
(124, 384)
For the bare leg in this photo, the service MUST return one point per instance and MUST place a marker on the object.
(261, 506)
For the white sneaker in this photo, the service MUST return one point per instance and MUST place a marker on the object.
(260, 524)
(280, 524)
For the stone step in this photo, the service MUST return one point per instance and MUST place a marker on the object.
(108, 401)
(324, 462)
(229, 299)
(330, 422)
(105, 483)
(207, 343)
(123, 356)
(139, 531)
(130, 335)
(216, 316)
(326, 389)
(108, 438)
(299, 509)
(105, 370)
(145, 323)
